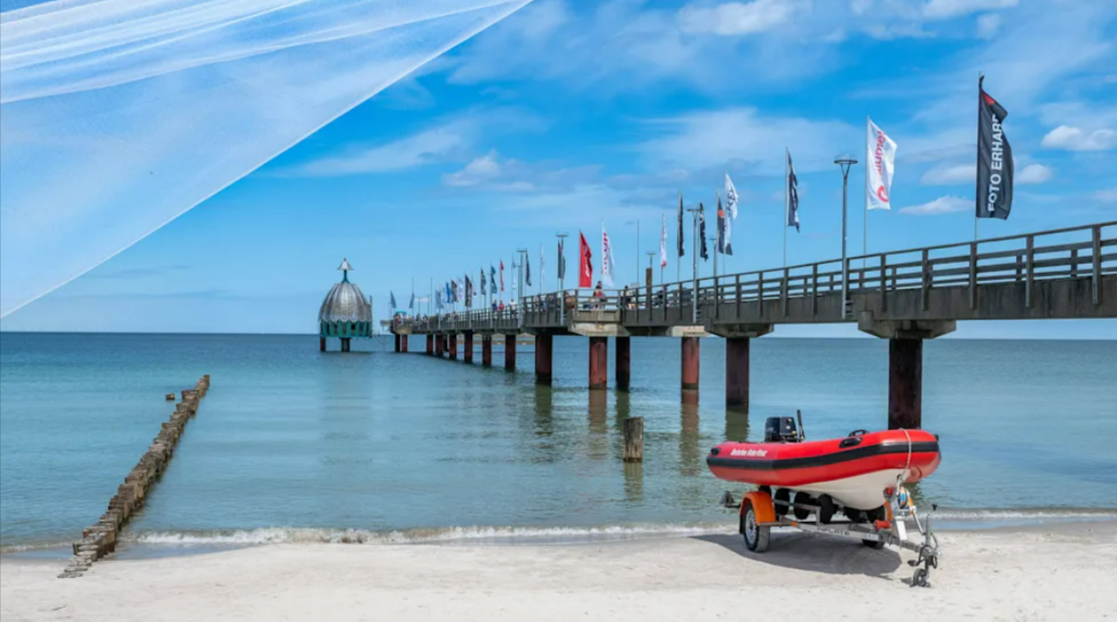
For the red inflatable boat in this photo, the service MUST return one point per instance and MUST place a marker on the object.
(854, 470)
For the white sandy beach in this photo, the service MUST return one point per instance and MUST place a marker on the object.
(1063, 572)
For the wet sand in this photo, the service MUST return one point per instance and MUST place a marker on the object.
(1061, 571)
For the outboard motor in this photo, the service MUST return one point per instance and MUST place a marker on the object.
(780, 430)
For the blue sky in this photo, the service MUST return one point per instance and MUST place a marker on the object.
(569, 113)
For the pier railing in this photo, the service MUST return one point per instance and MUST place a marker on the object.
(1085, 255)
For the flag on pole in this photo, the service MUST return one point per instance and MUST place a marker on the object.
(492, 279)
(994, 159)
(475, 285)
(585, 263)
(392, 299)
(438, 299)
(482, 281)
(680, 236)
(881, 155)
(411, 305)
(725, 231)
(663, 241)
(608, 267)
(792, 195)
(703, 251)
(561, 261)
(731, 199)
(527, 269)
(468, 292)
(502, 276)
(449, 297)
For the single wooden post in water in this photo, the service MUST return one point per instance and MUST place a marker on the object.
(634, 439)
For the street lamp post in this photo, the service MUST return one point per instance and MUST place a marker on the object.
(845, 162)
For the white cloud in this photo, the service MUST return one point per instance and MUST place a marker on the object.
(988, 25)
(1109, 195)
(423, 148)
(944, 9)
(713, 138)
(950, 175)
(941, 205)
(478, 170)
(1034, 174)
(736, 18)
(1076, 139)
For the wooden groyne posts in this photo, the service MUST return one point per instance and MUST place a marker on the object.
(99, 539)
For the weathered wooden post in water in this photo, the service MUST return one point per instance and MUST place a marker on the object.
(634, 439)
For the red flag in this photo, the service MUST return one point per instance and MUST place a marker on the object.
(502, 275)
(585, 270)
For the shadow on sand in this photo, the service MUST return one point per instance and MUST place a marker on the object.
(802, 551)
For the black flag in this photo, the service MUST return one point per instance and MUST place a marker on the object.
(527, 269)
(792, 195)
(724, 246)
(994, 159)
(680, 236)
(561, 261)
(704, 253)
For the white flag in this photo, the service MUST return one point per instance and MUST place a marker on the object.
(881, 160)
(608, 268)
(730, 198)
(663, 242)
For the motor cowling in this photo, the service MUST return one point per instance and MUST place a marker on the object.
(780, 430)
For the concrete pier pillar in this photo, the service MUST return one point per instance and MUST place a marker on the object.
(737, 373)
(905, 383)
(397, 336)
(321, 344)
(691, 352)
(439, 345)
(430, 344)
(344, 344)
(510, 352)
(467, 353)
(544, 344)
(599, 362)
(453, 346)
(623, 362)
(403, 343)
(486, 350)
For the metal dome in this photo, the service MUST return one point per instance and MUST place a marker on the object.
(345, 313)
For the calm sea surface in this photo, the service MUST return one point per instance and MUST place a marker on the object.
(292, 444)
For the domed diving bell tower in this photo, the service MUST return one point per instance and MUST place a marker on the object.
(345, 312)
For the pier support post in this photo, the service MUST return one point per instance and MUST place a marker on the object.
(544, 343)
(737, 373)
(430, 344)
(453, 346)
(403, 343)
(634, 439)
(344, 344)
(690, 355)
(467, 353)
(397, 336)
(599, 362)
(321, 344)
(439, 345)
(623, 362)
(486, 350)
(905, 364)
(510, 352)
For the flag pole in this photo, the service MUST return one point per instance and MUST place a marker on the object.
(786, 201)
(977, 169)
(637, 252)
(865, 216)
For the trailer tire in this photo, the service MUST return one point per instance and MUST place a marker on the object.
(826, 509)
(802, 498)
(756, 536)
(782, 495)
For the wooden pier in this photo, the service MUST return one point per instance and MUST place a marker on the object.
(99, 539)
(904, 296)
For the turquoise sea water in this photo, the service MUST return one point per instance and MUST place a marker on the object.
(293, 444)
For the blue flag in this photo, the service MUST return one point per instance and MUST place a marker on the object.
(411, 305)
(393, 299)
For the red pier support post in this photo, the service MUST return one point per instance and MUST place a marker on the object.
(486, 350)
(403, 339)
(543, 346)
(737, 373)
(453, 346)
(690, 358)
(905, 384)
(467, 354)
(599, 362)
(439, 345)
(624, 362)
(510, 352)
(430, 344)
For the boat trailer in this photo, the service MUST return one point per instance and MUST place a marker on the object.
(768, 507)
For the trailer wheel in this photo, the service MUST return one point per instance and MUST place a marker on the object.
(802, 498)
(782, 495)
(756, 536)
(874, 544)
(919, 579)
(826, 509)
(875, 514)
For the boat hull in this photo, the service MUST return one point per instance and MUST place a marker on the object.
(854, 471)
